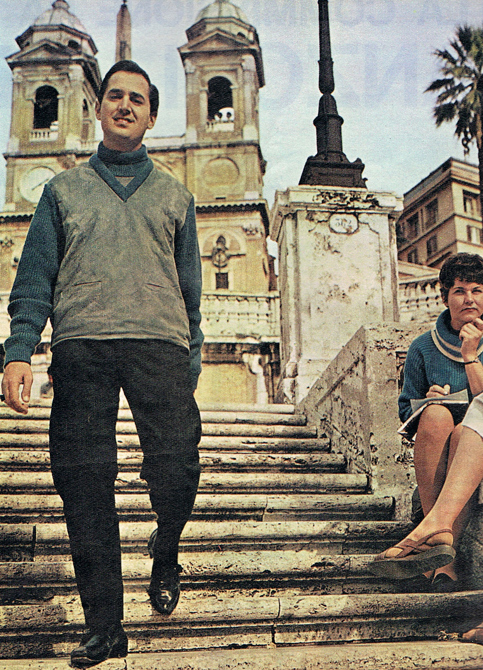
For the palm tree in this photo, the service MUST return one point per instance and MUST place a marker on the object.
(461, 90)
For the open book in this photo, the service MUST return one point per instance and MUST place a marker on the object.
(417, 406)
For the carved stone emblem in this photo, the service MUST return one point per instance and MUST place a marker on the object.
(351, 199)
(6, 243)
(343, 223)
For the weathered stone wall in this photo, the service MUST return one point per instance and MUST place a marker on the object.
(354, 403)
(338, 271)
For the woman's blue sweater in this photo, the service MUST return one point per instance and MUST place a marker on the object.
(434, 358)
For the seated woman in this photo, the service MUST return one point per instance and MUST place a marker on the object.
(430, 543)
(444, 360)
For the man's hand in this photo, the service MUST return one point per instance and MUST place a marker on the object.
(17, 374)
(436, 391)
(470, 336)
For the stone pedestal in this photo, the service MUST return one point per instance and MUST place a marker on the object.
(338, 271)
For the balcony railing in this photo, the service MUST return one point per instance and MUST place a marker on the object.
(420, 300)
(232, 317)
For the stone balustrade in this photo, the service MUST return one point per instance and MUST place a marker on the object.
(231, 317)
(44, 135)
(420, 300)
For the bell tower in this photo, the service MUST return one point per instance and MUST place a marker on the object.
(224, 73)
(55, 81)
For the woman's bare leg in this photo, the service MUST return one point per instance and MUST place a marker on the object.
(431, 453)
(464, 476)
(461, 520)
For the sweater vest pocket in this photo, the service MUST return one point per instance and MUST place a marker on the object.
(77, 301)
(165, 303)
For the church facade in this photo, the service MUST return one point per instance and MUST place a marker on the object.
(55, 79)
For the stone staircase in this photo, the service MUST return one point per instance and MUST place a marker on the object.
(275, 558)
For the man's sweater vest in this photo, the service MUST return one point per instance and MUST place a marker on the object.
(118, 277)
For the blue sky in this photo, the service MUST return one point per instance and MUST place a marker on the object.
(383, 62)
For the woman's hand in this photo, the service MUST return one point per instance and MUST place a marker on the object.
(436, 391)
(470, 336)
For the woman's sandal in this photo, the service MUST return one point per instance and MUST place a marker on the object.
(477, 637)
(414, 558)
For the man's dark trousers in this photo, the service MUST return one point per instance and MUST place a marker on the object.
(88, 376)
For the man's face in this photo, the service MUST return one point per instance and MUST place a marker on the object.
(125, 112)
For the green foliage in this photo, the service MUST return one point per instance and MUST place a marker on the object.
(460, 89)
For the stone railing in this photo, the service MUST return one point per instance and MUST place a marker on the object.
(419, 300)
(231, 317)
(354, 404)
(44, 135)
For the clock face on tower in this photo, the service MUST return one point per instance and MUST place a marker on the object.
(32, 182)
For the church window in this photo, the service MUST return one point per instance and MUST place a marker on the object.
(45, 107)
(220, 99)
(222, 280)
(74, 45)
(85, 121)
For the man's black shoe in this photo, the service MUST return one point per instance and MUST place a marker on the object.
(98, 647)
(164, 589)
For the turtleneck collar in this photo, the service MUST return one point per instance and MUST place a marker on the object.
(110, 156)
(447, 339)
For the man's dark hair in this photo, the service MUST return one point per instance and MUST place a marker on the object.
(131, 66)
(465, 267)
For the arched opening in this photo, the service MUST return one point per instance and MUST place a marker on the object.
(75, 46)
(220, 97)
(45, 107)
(85, 121)
(220, 257)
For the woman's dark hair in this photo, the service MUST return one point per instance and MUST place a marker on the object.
(465, 267)
(131, 66)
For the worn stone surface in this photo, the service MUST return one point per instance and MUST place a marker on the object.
(276, 552)
(324, 278)
(381, 656)
(210, 461)
(354, 403)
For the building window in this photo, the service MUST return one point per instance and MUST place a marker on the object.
(220, 99)
(474, 235)
(431, 213)
(470, 203)
(431, 246)
(222, 280)
(412, 226)
(413, 256)
(45, 107)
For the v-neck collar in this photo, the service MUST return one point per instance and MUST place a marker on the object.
(124, 192)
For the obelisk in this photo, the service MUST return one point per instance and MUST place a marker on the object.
(123, 33)
(337, 248)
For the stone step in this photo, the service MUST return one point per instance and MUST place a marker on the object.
(208, 442)
(227, 569)
(224, 482)
(208, 620)
(25, 426)
(329, 537)
(15, 508)
(273, 408)
(242, 417)
(306, 569)
(11, 459)
(449, 655)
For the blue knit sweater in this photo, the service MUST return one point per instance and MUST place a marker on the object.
(434, 358)
(32, 293)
